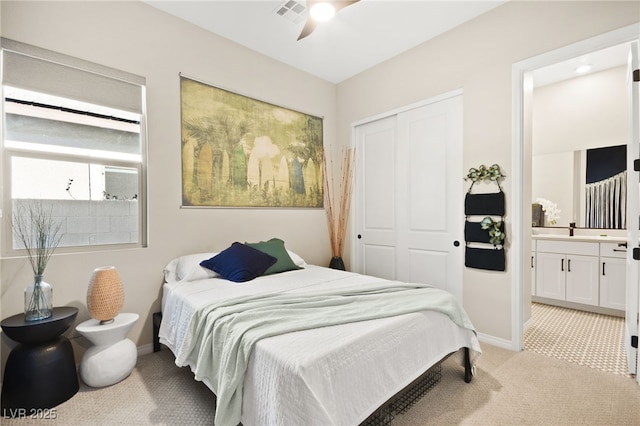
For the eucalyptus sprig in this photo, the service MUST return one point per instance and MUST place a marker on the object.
(496, 236)
(485, 173)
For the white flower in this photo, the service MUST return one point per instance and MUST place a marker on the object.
(550, 209)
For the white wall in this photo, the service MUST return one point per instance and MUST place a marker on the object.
(581, 113)
(137, 38)
(478, 57)
(552, 179)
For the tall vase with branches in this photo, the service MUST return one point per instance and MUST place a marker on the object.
(337, 205)
(39, 235)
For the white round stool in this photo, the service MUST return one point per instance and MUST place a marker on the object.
(113, 357)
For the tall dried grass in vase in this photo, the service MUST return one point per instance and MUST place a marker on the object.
(39, 234)
(338, 213)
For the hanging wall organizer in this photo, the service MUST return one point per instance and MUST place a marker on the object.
(485, 238)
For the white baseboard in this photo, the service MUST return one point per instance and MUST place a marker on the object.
(496, 341)
(145, 349)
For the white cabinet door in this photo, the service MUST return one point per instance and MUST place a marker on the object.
(613, 282)
(550, 275)
(533, 268)
(533, 273)
(582, 279)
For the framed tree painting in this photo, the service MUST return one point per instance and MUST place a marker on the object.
(242, 152)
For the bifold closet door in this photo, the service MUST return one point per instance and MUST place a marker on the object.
(409, 196)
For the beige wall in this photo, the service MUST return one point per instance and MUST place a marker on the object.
(581, 113)
(137, 38)
(134, 37)
(478, 57)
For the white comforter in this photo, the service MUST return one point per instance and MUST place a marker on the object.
(317, 376)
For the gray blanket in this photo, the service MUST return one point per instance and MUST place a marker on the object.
(224, 334)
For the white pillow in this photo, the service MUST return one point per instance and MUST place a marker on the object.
(188, 268)
(296, 259)
(170, 270)
(200, 273)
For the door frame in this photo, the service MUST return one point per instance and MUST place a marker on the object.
(521, 87)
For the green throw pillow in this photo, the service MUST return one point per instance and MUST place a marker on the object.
(275, 247)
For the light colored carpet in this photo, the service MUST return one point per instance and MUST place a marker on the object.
(524, 388)
(584, 338)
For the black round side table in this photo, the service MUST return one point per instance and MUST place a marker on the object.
(40, 371)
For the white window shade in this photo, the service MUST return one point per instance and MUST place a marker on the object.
(50, 133)
(74, 140)
(39, 70)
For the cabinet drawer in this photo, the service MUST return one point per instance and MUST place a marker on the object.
(568, 247)
(613, 250)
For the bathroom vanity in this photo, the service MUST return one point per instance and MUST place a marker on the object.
(586, 272)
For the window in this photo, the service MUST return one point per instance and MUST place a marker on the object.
(74, 141)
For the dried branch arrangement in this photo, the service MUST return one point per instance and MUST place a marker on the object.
(339, 217)
(37, 232)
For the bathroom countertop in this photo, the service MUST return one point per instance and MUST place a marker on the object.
(583, 238)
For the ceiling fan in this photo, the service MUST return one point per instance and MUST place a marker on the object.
(320, 11)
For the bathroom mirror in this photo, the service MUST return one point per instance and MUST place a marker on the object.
(586, 187)
(579, 136)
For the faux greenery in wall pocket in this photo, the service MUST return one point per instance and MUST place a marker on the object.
(495, 230)
(488, 234)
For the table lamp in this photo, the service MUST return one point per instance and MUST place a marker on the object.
(105, 296)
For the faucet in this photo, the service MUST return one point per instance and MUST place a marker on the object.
(572, 226)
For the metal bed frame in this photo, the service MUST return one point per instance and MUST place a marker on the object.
(401, 402)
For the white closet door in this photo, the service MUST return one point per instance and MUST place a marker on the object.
(409, 196)
(376, 183)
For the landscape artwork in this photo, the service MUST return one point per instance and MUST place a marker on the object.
(241, 152)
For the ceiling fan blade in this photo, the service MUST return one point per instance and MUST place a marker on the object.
(311, 24)
(342, 4)
(308, 28)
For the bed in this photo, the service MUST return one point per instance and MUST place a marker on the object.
(334, 346)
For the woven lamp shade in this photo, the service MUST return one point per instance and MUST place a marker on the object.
(105, 296)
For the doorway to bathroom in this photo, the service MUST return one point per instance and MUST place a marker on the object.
(525, 132)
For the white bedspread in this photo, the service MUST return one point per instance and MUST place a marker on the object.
(317, 377)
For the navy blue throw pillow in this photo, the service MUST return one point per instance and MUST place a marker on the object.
(239, 263)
